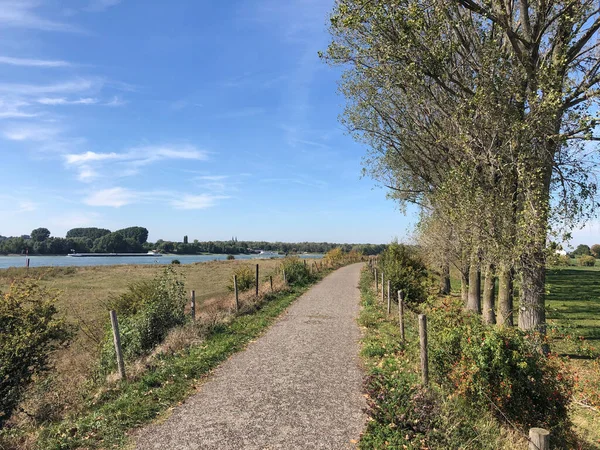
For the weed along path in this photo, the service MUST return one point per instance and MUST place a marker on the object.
(299, 386)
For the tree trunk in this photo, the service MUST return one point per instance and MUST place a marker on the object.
(532, 312)
(464, 286)
(474, 296)
(505, 297)
(489, 296)
(445, 279)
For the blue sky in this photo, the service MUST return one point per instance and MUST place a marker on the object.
(211, 119)
(207, 119)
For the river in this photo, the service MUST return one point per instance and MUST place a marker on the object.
(61, 261)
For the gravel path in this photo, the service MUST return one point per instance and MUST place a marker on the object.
(299, 386)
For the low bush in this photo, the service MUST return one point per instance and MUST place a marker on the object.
(557, 260)
(406, 271)
(587, 261)
(246, 278)
(499, 369)
(296, 271)
(175, 261)
(230, 257)
(30, 330)
(146, 313)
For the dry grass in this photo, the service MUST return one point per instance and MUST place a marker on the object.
(85, 292)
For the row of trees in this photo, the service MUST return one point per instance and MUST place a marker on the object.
(135, 239)
(80, 240)
(477, 111)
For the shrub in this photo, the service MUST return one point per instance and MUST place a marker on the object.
(334, 257)
(246, 278)
(230, 257)
(296, 272)
(558, 260)
(595, 249)
(175, 261)
(587, 261)
(146, 312)
(498, 366)
(29, 331)
(406, 271)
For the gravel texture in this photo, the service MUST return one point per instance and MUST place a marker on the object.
(299, 386)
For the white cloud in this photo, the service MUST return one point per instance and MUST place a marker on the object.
(118, 197)
(88, 164)
(115, 197)
(63, 101)
(35, 133)
(201, 201)
(21, 14)
(32, 62)
(72, 86)
(116, 101)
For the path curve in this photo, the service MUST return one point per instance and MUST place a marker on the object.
(299, 386)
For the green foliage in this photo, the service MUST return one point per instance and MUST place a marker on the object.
(40, 234)
(595, 249)
(406, 271)
(29, 331)
(556, 260)
(498, 368)
(296, 271)
(587, 261)
(581, 250)
(90, 233)
(402, 414)
(246, 278)
(230, 257)
(139, 235)
(175, 261)
(146, 313)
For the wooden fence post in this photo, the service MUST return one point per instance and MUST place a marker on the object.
(237, 296)
(193, 305)
(117, 340)
(401, 313)
(423, 342)
(382, 288)
(271, 280)
(389, 297)
(539, 439)
(257, 280)
(376, 282)
(284, 277)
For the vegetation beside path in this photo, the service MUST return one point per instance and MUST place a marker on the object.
(160, 378)
(486, 387)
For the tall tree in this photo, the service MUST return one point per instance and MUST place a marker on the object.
(477, 94)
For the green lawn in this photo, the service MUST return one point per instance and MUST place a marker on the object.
(573, 305)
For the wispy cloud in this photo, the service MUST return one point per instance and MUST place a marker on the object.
(118, 197)
(88, 164)
(201, 201)
(304, 181)
(115, 101)
(114, 197)
(25, 62)
(52, 101)
(35, 133)
(66, 87)
(22, 14)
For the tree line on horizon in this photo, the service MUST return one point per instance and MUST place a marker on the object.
(135, 240)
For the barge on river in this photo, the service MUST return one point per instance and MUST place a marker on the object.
(105, 255)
